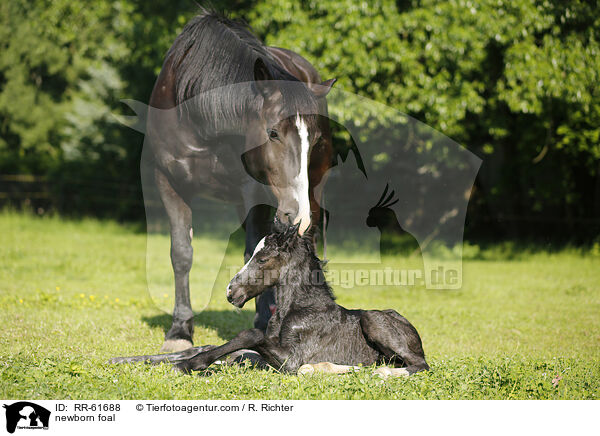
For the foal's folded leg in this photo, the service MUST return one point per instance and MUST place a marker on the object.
(396, 339)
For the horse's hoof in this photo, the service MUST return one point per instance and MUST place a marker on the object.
(175, 345)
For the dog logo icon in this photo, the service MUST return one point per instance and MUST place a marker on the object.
(26, 415)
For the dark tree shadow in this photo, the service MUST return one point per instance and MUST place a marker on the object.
(227, 323)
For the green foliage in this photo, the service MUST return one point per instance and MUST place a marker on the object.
(444, 62)
(58, 71)
(516, 82)
(516, 326)
(64, 66)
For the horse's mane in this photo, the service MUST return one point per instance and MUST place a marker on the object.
(213, 51)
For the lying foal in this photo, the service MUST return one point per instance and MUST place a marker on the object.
(308, 332)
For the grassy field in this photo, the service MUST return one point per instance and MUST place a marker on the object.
(526, 324)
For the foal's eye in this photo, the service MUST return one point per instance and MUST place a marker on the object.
(272, 134)
(261, 261)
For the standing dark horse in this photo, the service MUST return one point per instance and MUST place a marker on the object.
(288, 155)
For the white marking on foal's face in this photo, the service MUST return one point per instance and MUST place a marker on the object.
(259, 247)
(301, 180)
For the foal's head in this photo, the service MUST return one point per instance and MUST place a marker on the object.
(276, 256)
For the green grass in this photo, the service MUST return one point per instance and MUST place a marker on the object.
(74, 293)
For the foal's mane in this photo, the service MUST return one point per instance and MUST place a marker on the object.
(213, 51)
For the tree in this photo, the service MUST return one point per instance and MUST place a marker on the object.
(516, 82)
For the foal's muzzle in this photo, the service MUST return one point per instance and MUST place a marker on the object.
(236, 296)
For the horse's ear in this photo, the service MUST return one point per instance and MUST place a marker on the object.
(261, 72)
(323, 88)
(262, 77)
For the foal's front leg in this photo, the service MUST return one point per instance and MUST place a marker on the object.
(252, 339)
(155, 359)
(246, 339)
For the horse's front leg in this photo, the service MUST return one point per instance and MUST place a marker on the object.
(179, 336)
(257, 225)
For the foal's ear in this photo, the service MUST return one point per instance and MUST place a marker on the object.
(291, 236)
(310, 233)
(293, 230)
(323, 88)
(262, 77)
(278, 226)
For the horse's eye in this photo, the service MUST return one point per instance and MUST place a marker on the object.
(272, 133)
(261, 261)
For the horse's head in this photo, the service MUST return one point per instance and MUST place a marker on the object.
(279, 139)
(272, 259)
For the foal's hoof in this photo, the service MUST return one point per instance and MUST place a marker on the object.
(175, 345)
(326, 368)
(386, 372)
(306, 369)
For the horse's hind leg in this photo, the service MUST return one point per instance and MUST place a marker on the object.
(179, 336)
(395, 338)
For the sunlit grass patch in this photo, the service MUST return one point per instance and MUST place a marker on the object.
(74, 294)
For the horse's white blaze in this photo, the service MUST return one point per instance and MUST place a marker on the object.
(301, 180)
(259, 247)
